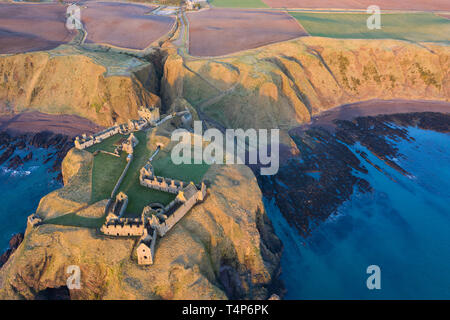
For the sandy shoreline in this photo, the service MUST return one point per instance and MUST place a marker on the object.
(372, 108)
(34, 122)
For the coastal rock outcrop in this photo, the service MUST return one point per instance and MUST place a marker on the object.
(45, 139)
(14, 243)
(224, 248)
(285, 84)
(76, 193)
(98, 86)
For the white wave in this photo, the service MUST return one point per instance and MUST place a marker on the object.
(15, 173)
(334, 217)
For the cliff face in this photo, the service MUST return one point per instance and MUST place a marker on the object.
(224, 248)
(76, 193)
(73, 83)
(282, 85)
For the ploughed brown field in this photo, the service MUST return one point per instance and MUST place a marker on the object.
(123, 24)
(32, 27)
(217, 32)
(425, 5)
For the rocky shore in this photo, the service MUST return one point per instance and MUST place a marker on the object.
(311, 186)
(17, 142)
(14, 243)
(9, 144)
(39, 130)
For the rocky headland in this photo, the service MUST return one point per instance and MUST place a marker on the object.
(104, 87)
(286, 84)
(224, 248)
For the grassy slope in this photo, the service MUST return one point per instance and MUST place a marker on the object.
(139, 196)
(413, 26)
(187, 172)
(239, 4)
(72, 219)
(107, 169)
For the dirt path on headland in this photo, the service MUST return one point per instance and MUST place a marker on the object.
(373, 108)
(34, 122)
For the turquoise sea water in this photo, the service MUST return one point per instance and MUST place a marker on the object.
(403, 227)
(21, 190)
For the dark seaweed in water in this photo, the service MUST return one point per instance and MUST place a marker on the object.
(311, 186)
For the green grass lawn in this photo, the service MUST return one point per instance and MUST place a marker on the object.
(408, 26)
(139, 196)
(106, 170)
(72, 219)
(164, 167)
(239, 4)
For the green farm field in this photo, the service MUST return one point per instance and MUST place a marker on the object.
(418, 27)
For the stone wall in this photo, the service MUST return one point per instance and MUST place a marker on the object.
(122, 176)
(86, 142)
(122, 229)
(149, 180)
(163, 184)
(177, 215)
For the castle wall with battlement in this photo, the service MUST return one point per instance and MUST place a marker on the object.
(173, 219)
(122, 229)
(86, 142)
(161, 184)
(149, 180)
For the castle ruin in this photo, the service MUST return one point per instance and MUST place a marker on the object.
(156, 219)
(148, 117)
